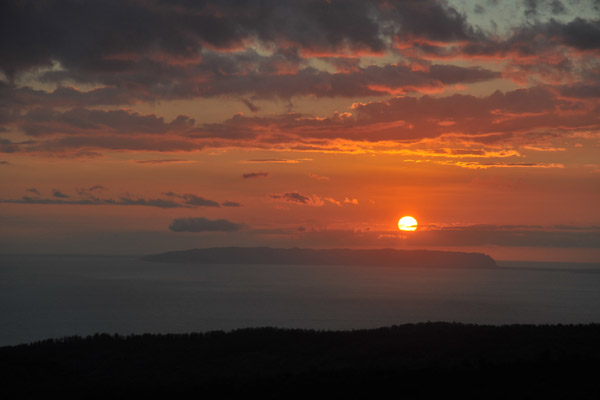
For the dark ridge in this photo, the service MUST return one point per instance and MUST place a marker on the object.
(379, 257)
(426, 360)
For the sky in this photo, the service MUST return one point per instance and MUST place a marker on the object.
(142, 126)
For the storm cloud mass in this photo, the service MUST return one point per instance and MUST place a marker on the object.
(123, 53)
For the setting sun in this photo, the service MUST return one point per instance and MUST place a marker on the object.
(407, 224)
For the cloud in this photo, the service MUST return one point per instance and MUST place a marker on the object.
(41, 122)
(88, 196)
(519, 117)
(450, 237)
(508, 237)
(274, 161)
(84, 145)
(250, 105)
(162, 161)
(414, 118)
(291, 197)
(189, 50)
(368, 81)
(193, 200)
(486, 165)
(255, 175)
(127, 201)
(90, 193)
(230, 204)
(122, 201)
(59, 194)
(318, 177)
(332, 201)
(166, 35)
(283, 49)
(203, 225)
(8, 146)
(297, 198)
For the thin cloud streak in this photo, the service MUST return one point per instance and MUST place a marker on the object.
(88, 198)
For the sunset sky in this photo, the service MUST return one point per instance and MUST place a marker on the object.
(141, 126)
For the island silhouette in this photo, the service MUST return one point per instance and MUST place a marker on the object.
(304, 256)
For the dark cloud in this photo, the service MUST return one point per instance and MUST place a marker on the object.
(193, 200)
(90, 196)
(118, 35)
(230, 204)
(162, 161)
(39, 122)
(577, 228)
(250, 175)
(533, 40)
(531, 8)
(581, 91)
(90, 192)
(272, 160)
(508, 237)
(411, 118)
(133, 51)
(369, 81)
(84, 36)
(466, 236)
(84, 200)
(557, 7)
(250, 105)
(76, 143)
(8, 146)
(292, 197)
(579, 33)
(141, 51)
(427, 19)
(59, 194)
(203, 225)
(497, 117)
(160, 203)
(534, 7)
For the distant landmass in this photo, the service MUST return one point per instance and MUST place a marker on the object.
(297, 256)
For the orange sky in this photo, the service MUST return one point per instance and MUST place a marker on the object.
(138, 127)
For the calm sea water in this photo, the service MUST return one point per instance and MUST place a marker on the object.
(55, 296)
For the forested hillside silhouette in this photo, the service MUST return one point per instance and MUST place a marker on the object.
(409, 361)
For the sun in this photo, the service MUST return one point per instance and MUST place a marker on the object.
(408, 224)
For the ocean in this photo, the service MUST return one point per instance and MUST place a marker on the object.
(53, 296)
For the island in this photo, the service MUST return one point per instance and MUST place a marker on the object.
(300, 256)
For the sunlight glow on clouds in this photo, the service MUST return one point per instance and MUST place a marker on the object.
(360, 109)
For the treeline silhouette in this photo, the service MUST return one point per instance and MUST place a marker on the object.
(298, 256)
(411, 361)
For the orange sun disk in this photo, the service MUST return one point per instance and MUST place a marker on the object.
(407, 224)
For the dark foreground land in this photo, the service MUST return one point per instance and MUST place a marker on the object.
(430, 360)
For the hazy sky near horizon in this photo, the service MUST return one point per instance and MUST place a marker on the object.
(140, 126)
